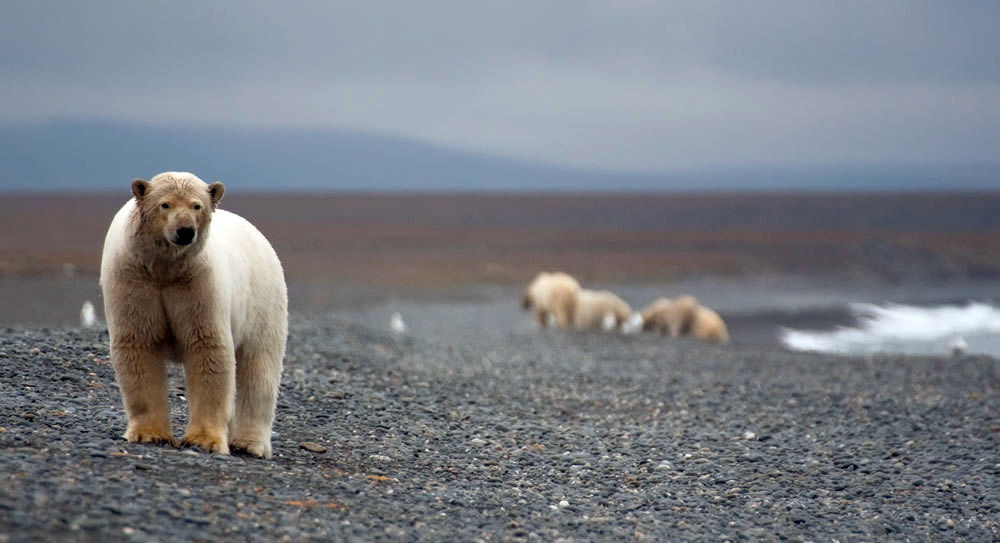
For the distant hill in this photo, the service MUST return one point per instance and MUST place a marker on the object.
(84, 155)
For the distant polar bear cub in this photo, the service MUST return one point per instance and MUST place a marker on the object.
(187, 282)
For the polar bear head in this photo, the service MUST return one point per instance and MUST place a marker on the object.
(176, 206)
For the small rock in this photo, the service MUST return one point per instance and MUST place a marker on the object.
(749, 436)
(35, 351)
(29, 416)
(380, 458)
(563, 503)
(312, 447)
(476, 442)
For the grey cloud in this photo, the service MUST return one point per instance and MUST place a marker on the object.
(635, 84)
(805, 40)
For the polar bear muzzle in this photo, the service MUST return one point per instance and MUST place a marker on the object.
(183, 236)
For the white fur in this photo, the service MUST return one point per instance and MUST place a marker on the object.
(219, 307)
(633, 325)
(234, 249)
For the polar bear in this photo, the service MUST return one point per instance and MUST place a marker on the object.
(708, 325)
(682, 316)
(184, 281)
(673, 317)
(552, 293)
(600, 309)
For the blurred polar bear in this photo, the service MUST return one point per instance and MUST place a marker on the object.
(552, 293)
(600, 309)
(684, 315)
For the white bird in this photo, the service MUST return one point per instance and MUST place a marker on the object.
(396, 323)
(88, 317)
(632, 325)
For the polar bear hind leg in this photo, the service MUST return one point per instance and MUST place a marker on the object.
(258, 377)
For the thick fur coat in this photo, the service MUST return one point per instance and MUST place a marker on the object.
(552, 293)
(670, 317)
(184, 281)
(593, 307)
(684, 315)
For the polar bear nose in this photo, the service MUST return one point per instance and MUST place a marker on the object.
(184, 236)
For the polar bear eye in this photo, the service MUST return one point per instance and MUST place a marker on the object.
(165, 205)
(197, 207)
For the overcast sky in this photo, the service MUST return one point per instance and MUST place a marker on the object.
(648, 85)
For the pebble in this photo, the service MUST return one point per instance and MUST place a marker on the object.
(507, 430)
(312, 447)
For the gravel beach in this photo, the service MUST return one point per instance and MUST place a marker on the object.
(514, 434)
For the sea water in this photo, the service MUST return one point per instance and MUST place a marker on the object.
(906, 329)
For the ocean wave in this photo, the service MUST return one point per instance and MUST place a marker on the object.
(906, 329)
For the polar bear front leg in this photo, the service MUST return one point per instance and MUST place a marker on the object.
(210, 384)
(137, 330)
(206, 346)
(142, 379)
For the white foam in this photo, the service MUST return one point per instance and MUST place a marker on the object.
(896, 328)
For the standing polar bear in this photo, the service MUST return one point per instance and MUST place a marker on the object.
(600, 309)
(184, 281)
(552, 293)
(682, 316)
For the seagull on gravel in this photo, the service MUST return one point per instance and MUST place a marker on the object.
(958, 346)
(396, 323)
(88, 317)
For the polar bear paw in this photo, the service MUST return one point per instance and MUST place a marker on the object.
(256, 447)
(207, 441)
(149, 434)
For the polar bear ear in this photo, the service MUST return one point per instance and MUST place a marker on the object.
(216, 190)
(139, 189)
